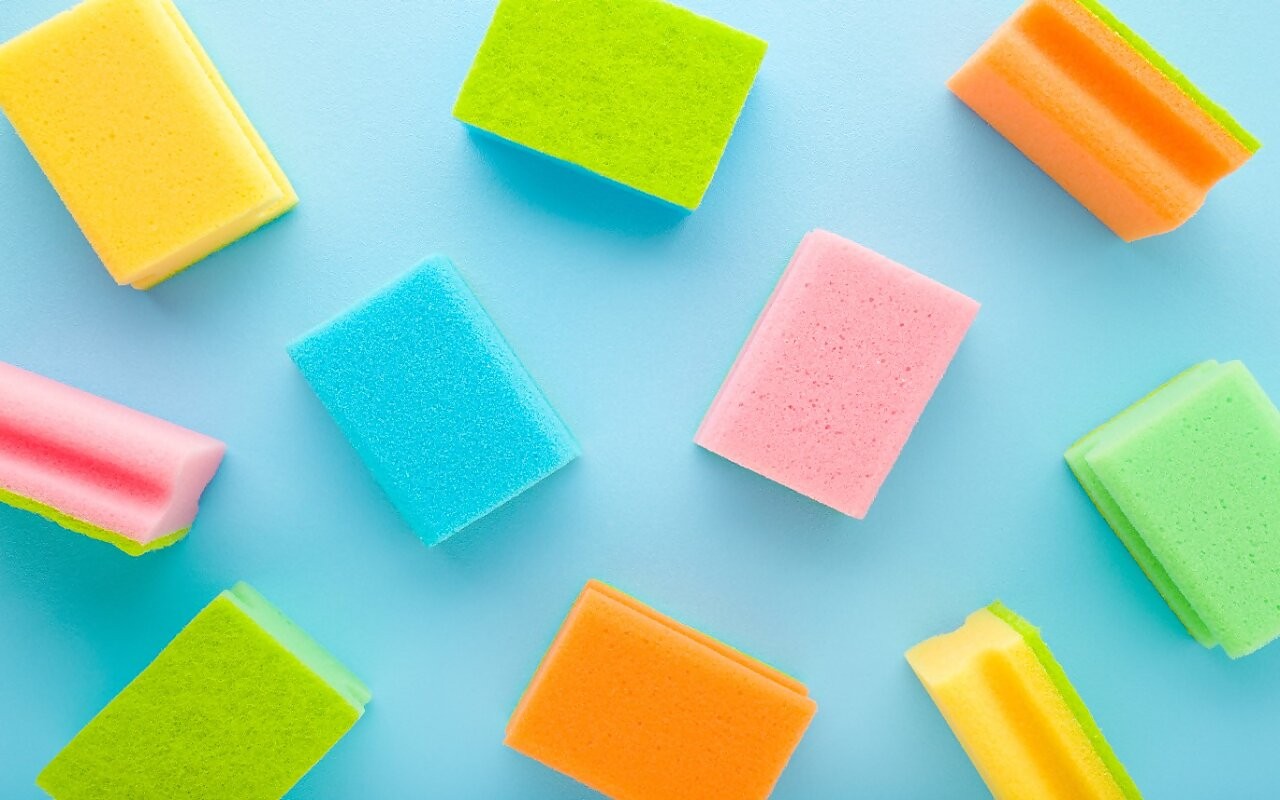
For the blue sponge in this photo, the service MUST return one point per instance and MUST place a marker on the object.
(429, 393)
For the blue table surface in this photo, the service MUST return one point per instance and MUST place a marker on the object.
(629, 313)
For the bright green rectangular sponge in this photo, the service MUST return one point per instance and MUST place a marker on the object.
(239, 705)
(1189, 479)
(640, 91)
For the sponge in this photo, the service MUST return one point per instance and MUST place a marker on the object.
(139, 135)
(240, 704)
(99, 468)
(640, 91)
(430, 395)
(1186, 478)
(639, 707)
(1101, 111)
(1015, 713)
(836, 372)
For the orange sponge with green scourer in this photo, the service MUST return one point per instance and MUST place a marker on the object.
(239, 705)
(1096, 107)
(641, 92)
(153, 157)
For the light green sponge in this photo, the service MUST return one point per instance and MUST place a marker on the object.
(239, 705)
(1189, 479)
(639, 91)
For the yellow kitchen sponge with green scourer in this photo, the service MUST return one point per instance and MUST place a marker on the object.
(129, 119)
(239, 705)
(642, 92)
(1015, 713)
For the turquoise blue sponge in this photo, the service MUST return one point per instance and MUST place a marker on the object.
(428, 392)
(239, 705)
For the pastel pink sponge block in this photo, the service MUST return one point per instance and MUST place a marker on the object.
(837, 370)
(97, 467)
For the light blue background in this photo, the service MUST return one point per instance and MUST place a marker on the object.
(629, 314)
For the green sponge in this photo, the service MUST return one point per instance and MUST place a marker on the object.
(239, 705)
(1187, 478)
(640, 91)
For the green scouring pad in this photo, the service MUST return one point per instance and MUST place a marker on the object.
(642, 92)
(1189, 479)
(239, 705)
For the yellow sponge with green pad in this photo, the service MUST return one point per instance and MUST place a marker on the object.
(134, 127)
(1187, 479)
(1009, 702)
(642, 92)
(239, 705)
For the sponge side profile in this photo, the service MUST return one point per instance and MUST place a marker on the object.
(1186, 479)
(127, 116)
(97, 467)
(240, 704)
(836, 372)
(439, 408)
(1022, 723)
(639, 706)
(639, 91)
(1094, 106)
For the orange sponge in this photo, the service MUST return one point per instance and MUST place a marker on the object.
(639, 707)
(1101, 111)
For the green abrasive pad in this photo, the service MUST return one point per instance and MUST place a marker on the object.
(640, 91)
(239, 705)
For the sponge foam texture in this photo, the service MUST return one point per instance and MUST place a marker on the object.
(428, 392)
(639, 91)
(636, 705)
(1186, 478)
(836, 372)
(139, 135)
(97, 467)
(240, 704)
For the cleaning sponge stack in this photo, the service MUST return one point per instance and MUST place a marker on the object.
(140, 136)
(1187, 478)
(239, 705)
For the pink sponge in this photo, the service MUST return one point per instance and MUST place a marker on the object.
(836, 372)
(96, 467)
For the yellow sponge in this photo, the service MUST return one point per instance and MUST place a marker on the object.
(138, 134)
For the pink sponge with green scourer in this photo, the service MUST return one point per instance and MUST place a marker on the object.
(99, 468)
(836, 372)
(239, 705)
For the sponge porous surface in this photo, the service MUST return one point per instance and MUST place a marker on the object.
(97, 467)
(1017, 716)
(836, 372)
(227, 710)
(1191, 472)
(1096, 108)
(439, 408)
(640, 91)
(139, 135)
(640, 707)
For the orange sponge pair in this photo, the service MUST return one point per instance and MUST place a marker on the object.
(1104, 114)
(640, 707)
